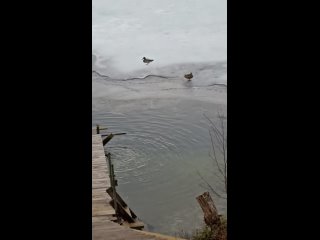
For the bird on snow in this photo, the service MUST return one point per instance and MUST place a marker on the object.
(146, 60)
(188, 76)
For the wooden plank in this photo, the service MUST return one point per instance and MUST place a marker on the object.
(136, 225)
(101, 207)
(100, 180)
(100, 193)
(103, 214)
(100, 183)
(96, 220)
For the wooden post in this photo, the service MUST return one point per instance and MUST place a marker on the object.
(206, 203)
(98, 129)
(107, 139)
(114, 192)
(113, 185)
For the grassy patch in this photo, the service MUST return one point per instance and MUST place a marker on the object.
(217, 232)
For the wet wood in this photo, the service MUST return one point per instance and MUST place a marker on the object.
(211, 216)
(107, 139)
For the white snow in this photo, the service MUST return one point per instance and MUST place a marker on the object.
(168, 31)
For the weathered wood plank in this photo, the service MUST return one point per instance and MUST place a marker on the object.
(101, 207)
(100, 183)
(102, 212)
(100, 180)
(96, 220)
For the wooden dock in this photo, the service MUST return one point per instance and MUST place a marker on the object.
(104, 226)
(101, 209)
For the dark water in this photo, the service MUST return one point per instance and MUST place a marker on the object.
(167, 142)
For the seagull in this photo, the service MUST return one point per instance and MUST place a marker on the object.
(146, 60)
(188, 76)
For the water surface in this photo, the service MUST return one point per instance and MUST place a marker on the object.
(167, 141)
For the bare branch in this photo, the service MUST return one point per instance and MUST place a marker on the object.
(209, 186)
(221, 139)
(224, 151)
(219, 168)
(215, 129)
(215, 157)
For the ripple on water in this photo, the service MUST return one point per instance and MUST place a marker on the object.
(156, 162)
